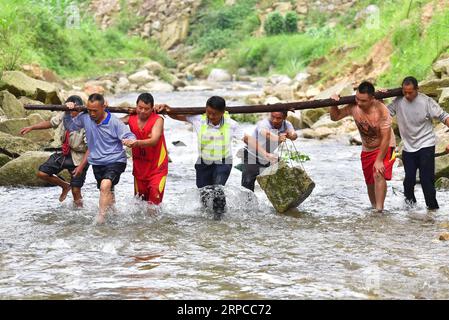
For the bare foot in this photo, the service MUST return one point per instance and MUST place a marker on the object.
(100, 219)
(64, 193)
(78, 203)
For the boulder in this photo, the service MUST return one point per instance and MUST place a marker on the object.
(272, 100)
(286, 187)
(325, 121)
(219, 75)
(22, 171)
(309, 117)
(441, 67)
(13, 126)
(432, 87)
(141, 77)
(4, 159)
(279, 79)
(319, 133)
(122, 85)
(157, 86)
(444, 99)
(10, 106)
(154, 67)
(295, 119)
(342, 88)
(442, 162)
(283, 92)
(46, 115)
(175, 32)
(14, 146)
(444, 236)
(442, 184)
(19, 84)
(355, 139)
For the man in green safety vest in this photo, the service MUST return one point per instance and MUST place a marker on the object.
(215, 130)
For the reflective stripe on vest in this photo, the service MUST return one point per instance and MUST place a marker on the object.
(215, 144)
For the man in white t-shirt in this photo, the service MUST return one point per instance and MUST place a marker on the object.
(261, 142)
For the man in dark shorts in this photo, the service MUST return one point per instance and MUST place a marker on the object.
(107, 155)
(73, 156)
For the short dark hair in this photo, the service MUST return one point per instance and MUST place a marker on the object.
(217, 103)
(96, 97)
(366, 87)
(410, 80)
(146, 98)
(76, 100)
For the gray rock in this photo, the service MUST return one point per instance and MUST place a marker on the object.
(19, 84)
(444, 99)
(4, 159)
(22, 171)
(286, 187)
(442, 184)
(13, 126)
(219, 75)
(15, 146)
(11, 107)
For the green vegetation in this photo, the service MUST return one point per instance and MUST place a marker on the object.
(219, 26)
(39, 31)
(414, 46)
(274, 24)
(291, 22)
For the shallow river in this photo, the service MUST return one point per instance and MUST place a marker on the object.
(332, 247)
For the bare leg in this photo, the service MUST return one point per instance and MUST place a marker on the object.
(57, 182)
(106, 198)
(371, 194)
(77, 198)
(381, 191)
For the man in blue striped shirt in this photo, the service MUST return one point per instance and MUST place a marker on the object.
(107, 156)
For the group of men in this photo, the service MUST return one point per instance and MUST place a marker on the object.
(414, 112)
(97, 138)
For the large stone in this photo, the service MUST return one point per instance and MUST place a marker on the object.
(279, 79)
(309, 117)
(15, 146)
(432, 87)
(23, 170)
(154, 67)
(442, 184)
(319, 133)
(141, 77)
(219, 75)
(295, 119)
(157, 86)
(286, 187)
(174, 32)
(13, 126)
(11, 107)
(19, 84)
(342, 88)
(442, 162)
(4, 159)
(444, 99)
(325, 121)
(441, 67)
(46, 115)
(283, 92)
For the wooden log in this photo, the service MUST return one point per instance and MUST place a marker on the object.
(290, 106)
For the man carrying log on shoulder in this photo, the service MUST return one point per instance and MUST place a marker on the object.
(150, 158)
(215, 130)
(415, 112)
(107, 155)
(378, 142)
(261, 142)
(73, 156)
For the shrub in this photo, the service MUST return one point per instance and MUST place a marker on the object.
(274, 24)
(291, 22)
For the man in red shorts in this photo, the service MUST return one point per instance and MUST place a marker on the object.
(150, 158)
(378, 142)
